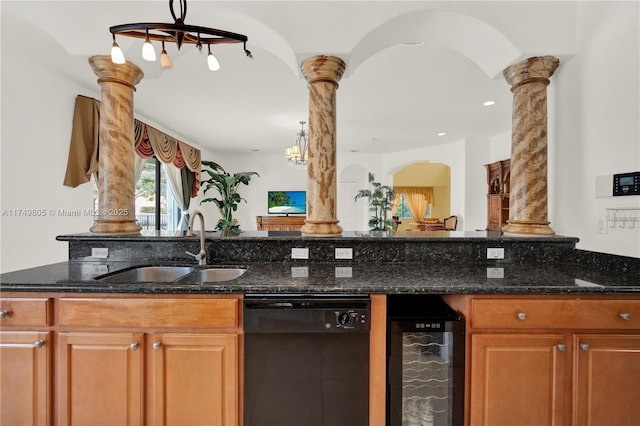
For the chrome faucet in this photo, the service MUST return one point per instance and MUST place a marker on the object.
(202, 256)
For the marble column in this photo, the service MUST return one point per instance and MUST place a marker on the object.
(528, 211)
(116, 175)
(323, 74)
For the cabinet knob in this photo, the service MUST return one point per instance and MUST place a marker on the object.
(4, 314)
(521, 316)
(38, 344)
(584, 346)
(156, 345)
(561, 347)
(134, 346)
(625, 316)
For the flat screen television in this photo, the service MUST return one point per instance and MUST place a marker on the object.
(287, 202)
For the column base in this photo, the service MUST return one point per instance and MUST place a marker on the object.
(531, 229)
(120, 227)
(321, 228)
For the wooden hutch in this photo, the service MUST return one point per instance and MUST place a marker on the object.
(498, 185)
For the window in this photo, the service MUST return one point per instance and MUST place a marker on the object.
(403, 209)
(156, 208)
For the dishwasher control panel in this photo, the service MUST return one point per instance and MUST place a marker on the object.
(348, 319)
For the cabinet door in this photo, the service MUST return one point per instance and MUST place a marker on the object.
(25, 371)
(518, 379)
(494, 212)
(607, 375)
(194, 379)
(100, 379)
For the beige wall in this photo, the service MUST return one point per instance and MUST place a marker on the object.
(426, 173)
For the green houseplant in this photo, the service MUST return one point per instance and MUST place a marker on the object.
(380, 198)
(226, 185)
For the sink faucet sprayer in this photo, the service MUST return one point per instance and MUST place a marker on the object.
(202, 256)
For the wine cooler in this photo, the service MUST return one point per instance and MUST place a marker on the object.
(425, 383)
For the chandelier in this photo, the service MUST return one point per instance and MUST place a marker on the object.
(297, 153)
(178, 33)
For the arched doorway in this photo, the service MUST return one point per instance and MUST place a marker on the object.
(426, 174)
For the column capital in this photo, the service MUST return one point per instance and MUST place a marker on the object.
(534, 69)
(128, 73)
(323, 68)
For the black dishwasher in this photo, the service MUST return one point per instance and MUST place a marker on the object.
(306, 360)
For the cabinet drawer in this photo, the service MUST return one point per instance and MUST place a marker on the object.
(25, 311)
(556, 313)
(141, 312)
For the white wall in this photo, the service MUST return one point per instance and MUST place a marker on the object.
(597, 125)
(37, 109)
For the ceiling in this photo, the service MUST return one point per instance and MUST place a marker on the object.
(414, 68)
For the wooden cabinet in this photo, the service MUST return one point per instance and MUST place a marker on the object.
(100, 378)
(551, 360)
(498, 184)
(26, 347)
(279, 223)
(177, 363)
(194, 377)
(25, 377)
(132, 360)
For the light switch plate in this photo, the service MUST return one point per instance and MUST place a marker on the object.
(299, 253)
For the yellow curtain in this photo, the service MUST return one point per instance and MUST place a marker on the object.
(396, 203)
(418, 199)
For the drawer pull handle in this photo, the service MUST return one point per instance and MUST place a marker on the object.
(625, 316)
(521, 316)
(38, 344)
(134, 346)
(156, 345)
(4, 314)
(585, 347)
(561, 347)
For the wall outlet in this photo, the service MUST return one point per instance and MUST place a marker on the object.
(495, 272)
(495, 253)
(344, 253)
(299, 272)
(343, 272)
(101, 252)
(299, 253)
(602, 225)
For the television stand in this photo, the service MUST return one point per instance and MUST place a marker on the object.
(279, 223)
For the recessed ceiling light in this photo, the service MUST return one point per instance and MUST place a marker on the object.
(441, 133)
(412, 44)
(255, 150)
(489, 103)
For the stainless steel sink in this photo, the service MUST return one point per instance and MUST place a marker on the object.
(180, 274)
(214, 274)
(149, 274)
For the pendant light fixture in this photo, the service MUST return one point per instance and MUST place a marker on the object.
(178, 33)
(297, 154)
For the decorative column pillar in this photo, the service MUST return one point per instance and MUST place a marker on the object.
(528, 195)
(116, 185)
(323, 74)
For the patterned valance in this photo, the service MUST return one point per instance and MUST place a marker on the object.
(149, 142)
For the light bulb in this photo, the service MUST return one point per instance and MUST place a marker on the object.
(213, 63)
(117, 57)
(165, 61)
(148, 52)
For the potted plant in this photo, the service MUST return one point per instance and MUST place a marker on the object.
(380, 199)
(227, 187)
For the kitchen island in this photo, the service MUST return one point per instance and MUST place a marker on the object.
(539, 303)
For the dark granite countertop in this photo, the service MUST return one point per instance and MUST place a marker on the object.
(340, 277)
